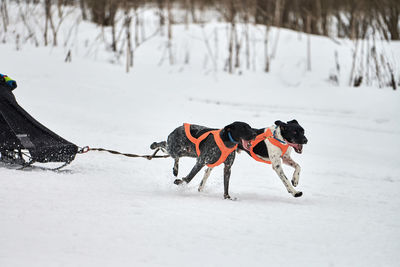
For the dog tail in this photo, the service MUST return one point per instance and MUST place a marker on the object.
(162, 145)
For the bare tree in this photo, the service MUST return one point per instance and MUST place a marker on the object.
(47, 12)
(161, 20)
(31, 33)
(49, 19)
(277, 22)
(389, 12)
(82, 5)
(309, 42)
(248, 9)
(229, 11)
(129, 50)
(4, 14)
(266, 52)
(169, 32)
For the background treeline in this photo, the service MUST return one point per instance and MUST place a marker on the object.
(246, 39)
(335, 18)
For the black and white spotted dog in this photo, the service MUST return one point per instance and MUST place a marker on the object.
(178, 145)
(290, 133)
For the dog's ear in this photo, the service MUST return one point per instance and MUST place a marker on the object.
(293, 121)
(229, 127)
(280, 123)
(233, 126)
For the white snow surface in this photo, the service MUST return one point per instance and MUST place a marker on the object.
(110, 210)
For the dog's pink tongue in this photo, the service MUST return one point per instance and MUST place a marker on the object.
(297, 147)
(294, 145)
(246, 144)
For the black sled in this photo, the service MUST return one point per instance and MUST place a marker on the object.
(23, 140)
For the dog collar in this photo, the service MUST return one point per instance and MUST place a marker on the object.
(231, 139)
(277, 139)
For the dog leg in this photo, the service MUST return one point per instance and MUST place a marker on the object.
(227, 175)
(161, 145)
(196, 168)
(176, 167)
(203, 182)
(296, 175)
(277, 166)
(152, 156)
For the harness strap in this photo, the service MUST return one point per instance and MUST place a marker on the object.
(225, 151)
(271, 138)
(188, 134)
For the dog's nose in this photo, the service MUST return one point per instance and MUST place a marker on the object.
(305, 140)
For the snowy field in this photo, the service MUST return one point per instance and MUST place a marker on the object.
(111, 210)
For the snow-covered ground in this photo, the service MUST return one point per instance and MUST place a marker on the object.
(115, 211)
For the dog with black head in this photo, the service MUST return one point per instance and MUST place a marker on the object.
(210, 147)
(273, 146)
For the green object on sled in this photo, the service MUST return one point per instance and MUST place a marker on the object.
(12, 84)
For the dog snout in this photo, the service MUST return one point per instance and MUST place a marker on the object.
(305, 140)
(252, 135)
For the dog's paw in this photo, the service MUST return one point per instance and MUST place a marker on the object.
(178, 181)
(153, 145)
(200, 189)
(298, 194)
(230, 198)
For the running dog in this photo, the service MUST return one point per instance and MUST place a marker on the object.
(273, 144)
(210, 147)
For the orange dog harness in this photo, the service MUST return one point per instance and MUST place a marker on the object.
(225, 151)
(261, 137)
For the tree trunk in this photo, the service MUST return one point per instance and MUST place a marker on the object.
(170, 21)
(308, 42)
(47, 11)
(4, 15)
(129, 52)
(267, 58)
(83, 9)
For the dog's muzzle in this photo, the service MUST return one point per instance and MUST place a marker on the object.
(297, 147)
(246, 144)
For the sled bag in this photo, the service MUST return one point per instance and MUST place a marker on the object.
(19, 130)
